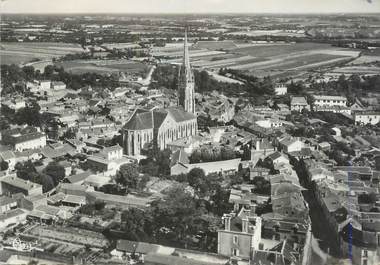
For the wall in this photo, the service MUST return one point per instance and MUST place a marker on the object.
(225, 243)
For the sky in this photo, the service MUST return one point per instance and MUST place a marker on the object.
(190, 6)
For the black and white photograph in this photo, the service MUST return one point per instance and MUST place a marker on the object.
(190, 132)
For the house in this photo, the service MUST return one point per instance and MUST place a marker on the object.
(12, 184)
(281, 253)
(330, 101)
(324, 146)
(367, 117)
(74, 189)
(12, 217)
(23, 139)
(108, 159)
(7, 204)
(45, 84)
(278, 158)
(14, 104)
(280, 89)
(240, 235)
(78, 178)
(32, 201)
(290, 144)
(287, 200)
(58, 150)
(334, 109)
(258, 172)
(298, 104)
(58, 85)
(127, 248)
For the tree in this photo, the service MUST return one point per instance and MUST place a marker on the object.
(25, 170)
(55, 171)
(46, 182)
(128, 175)
(3, 165)
(227, 153)
(195, 177)
(137, 224)
(262, 186)
(49, 71)
(28, 171)
(29, 115)
(178, 212)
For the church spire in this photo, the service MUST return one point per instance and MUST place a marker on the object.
(186, 81)
(186, 57)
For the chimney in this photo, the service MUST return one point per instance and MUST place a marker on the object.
(244, 225)
(227, 222)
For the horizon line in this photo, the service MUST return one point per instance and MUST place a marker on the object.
(192, 13)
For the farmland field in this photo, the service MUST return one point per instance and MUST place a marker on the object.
(20, 53)
(278, 58)
(279, 49)
(104, 67)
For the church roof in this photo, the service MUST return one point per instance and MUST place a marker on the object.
(144, 119)
(140, 121)
(179, 114)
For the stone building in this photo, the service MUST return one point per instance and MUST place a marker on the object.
(163, 126)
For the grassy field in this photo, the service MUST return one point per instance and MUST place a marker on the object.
(24, 52)
(104, 67)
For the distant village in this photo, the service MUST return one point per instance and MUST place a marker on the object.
(137, 173)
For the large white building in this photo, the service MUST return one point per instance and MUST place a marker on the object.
(330, 101)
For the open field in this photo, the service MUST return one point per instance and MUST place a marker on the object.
(104, 67)
(20, 52)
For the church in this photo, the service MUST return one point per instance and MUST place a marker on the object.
(164, 125)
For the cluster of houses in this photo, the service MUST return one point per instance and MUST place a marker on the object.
(337, 104)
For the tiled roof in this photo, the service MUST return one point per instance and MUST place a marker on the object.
(78, 177)
(140, 121)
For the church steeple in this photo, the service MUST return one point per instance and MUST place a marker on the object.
(186, 57)
(186, 81)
